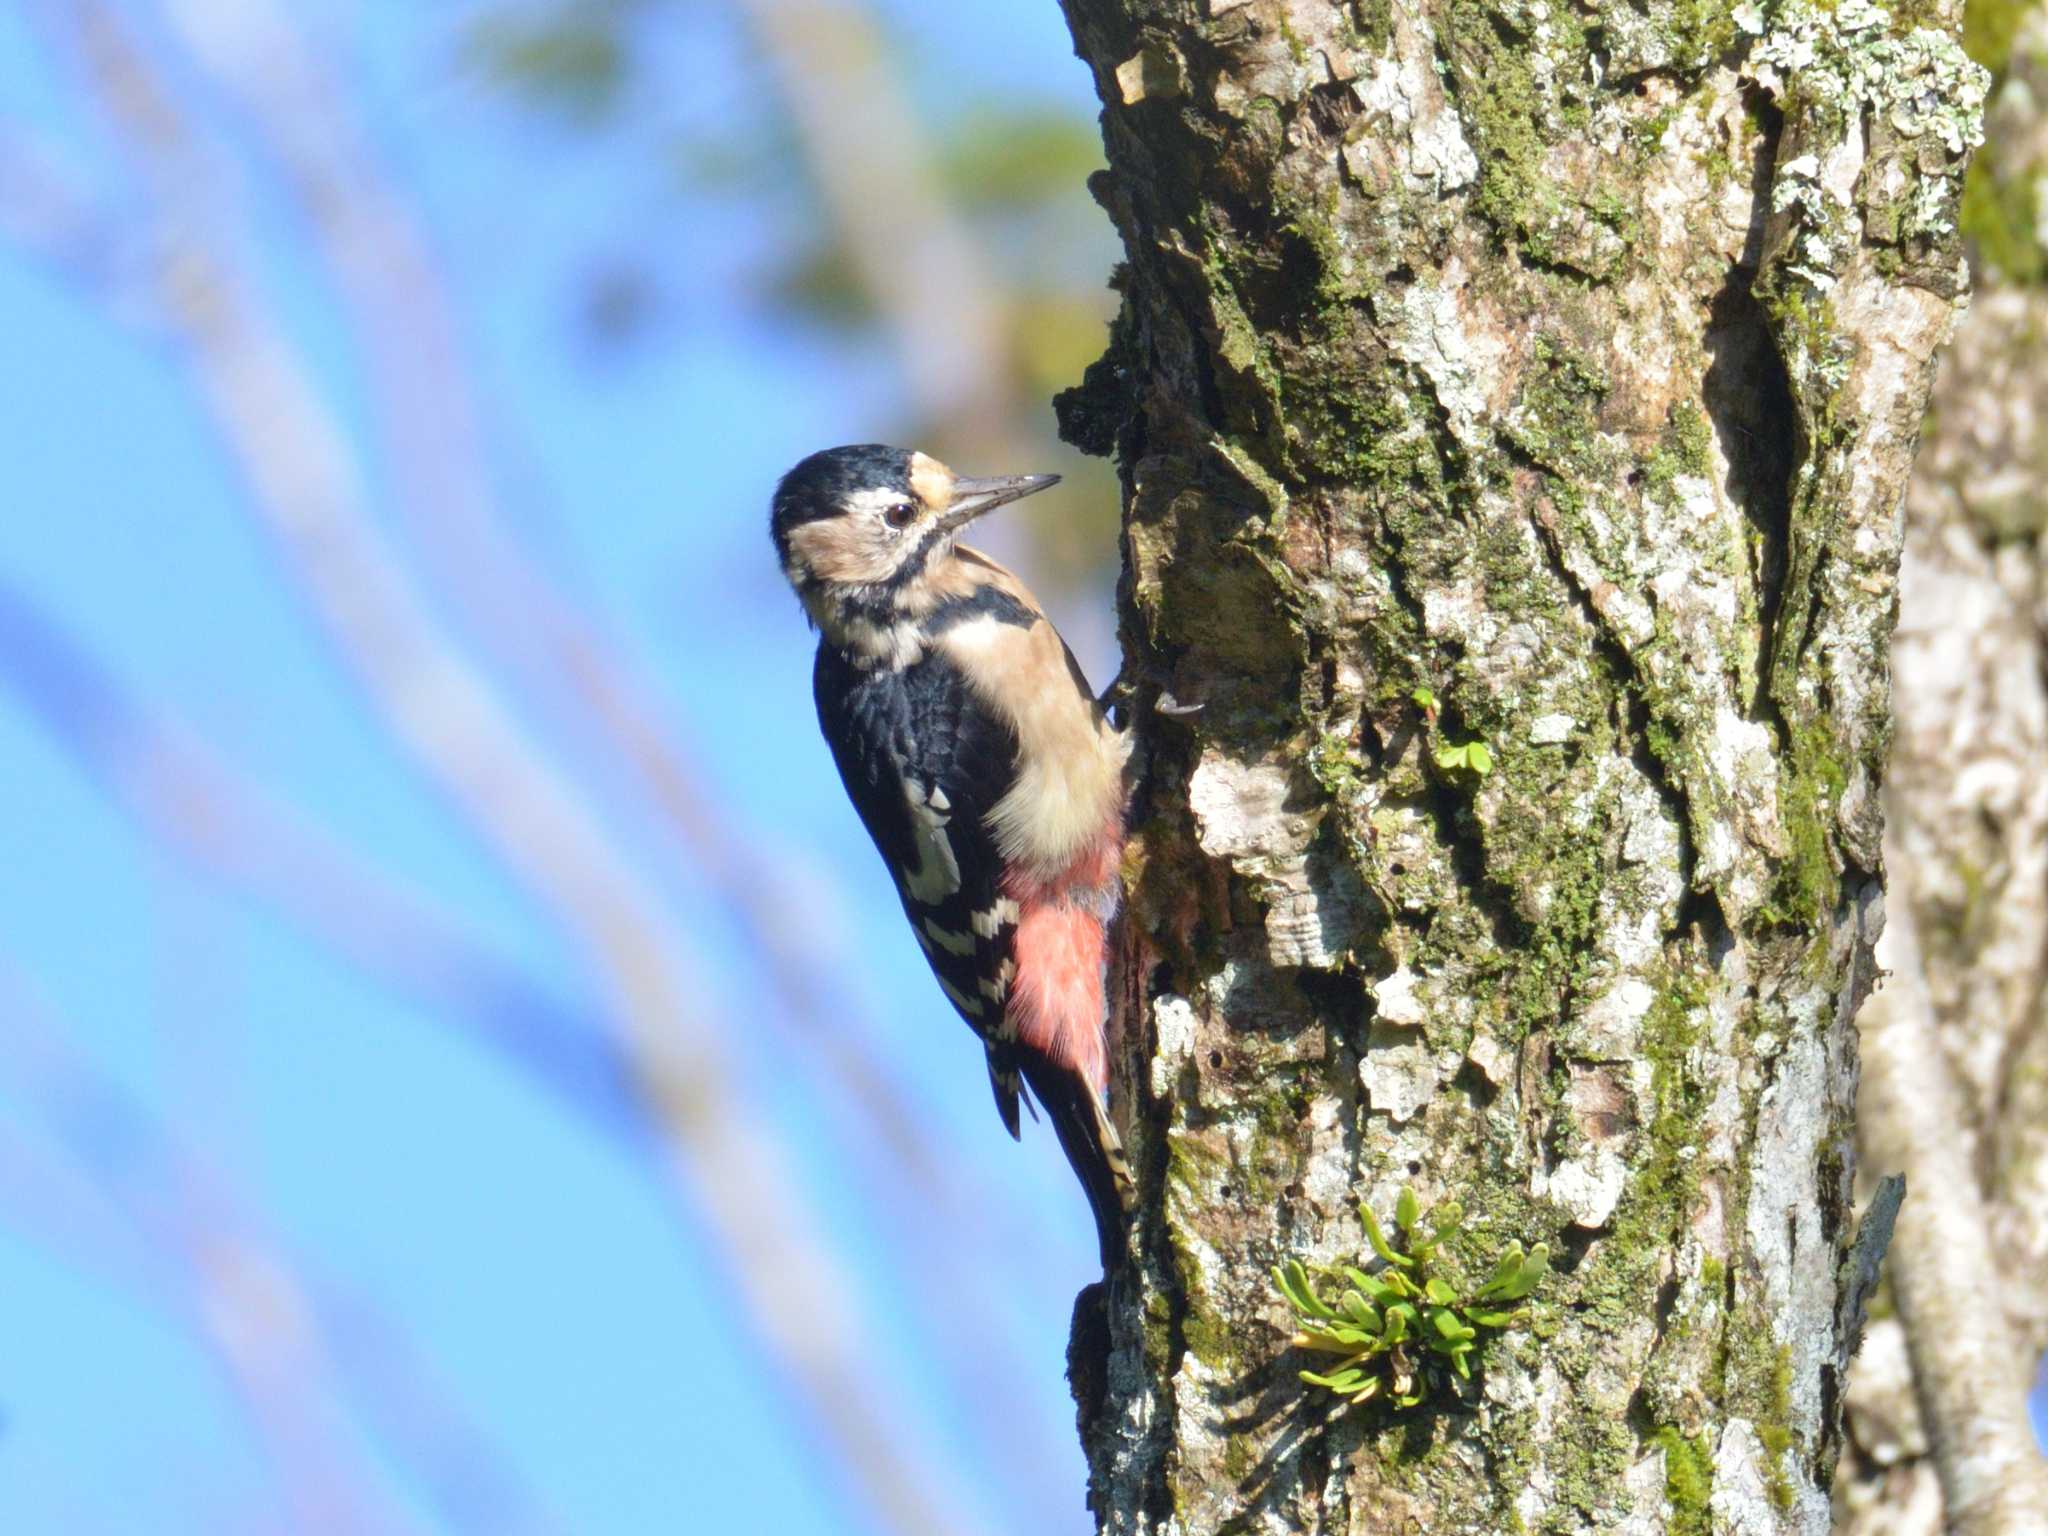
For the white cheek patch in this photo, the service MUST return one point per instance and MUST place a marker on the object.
(937, 875)
(839, 549)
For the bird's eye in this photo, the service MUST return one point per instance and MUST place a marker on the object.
(900, 514)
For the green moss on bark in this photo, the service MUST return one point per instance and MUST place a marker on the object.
(1688, 1481)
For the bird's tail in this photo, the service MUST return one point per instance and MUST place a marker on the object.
(1081, 1121)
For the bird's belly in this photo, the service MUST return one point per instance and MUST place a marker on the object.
(1061, 949)
(1052, 820)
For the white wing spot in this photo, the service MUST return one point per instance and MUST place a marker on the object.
(947, 939)
(937, 874)
(990, 920)
(997, 987)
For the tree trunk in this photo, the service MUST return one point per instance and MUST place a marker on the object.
(1569, 369)
(1967, 803)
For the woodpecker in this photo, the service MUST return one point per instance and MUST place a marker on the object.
(990, 780)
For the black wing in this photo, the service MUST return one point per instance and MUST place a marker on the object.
(924, 762)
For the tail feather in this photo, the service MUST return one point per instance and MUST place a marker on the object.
(1095, 1151)
(1008, 1088)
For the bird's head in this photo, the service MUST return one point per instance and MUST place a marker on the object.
(859, 528)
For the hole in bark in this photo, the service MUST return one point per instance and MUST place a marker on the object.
(1369, 741)
(1280, 268)
(1748, 395)
(1699, 909)
(1477, 1086)
(1458, 832)
(1331, 108)
(1638, 1414)
(1830, 1393)
(1088, 1350)
(1573, 1246)
(1667, 1298)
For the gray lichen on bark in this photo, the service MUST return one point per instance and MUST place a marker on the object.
(1568, 362)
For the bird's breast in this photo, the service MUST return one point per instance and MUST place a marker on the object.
(1062, 815)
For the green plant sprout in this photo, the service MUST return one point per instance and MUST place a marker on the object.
(1415, 1314)
(1471, 755)
(1474, 757)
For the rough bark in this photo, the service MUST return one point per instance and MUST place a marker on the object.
(1569, 365)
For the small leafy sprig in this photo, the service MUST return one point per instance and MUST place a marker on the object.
(1415, 1311)
(1452, 756)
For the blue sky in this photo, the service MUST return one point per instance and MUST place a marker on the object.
(544, 1282)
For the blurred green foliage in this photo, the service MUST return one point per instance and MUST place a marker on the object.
(1989, 27)
(2003, 198)
(572, 62)
(1022, 157)
(1014, 173)
(685, 83)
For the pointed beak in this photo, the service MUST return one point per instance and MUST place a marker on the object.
(971, 498)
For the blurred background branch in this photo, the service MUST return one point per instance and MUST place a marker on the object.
(452, 721)
(1970, 1378)
(187, 800)
(554, 656)
(532, 724)
(292, 1350)
(1956, 1043)
(867, 166)
(975, 257)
